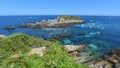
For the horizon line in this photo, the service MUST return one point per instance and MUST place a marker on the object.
(55, 15)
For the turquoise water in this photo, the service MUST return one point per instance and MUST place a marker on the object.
(103, 35)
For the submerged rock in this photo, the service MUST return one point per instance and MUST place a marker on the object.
(67, 41)
(93, 46)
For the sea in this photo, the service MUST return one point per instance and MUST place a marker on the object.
(102, 32)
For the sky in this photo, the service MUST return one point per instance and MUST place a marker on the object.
(60, 7)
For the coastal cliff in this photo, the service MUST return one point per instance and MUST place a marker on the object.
(60, 21)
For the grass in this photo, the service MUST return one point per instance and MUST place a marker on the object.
(69, 18)
(55, 56)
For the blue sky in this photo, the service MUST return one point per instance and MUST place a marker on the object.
(60, 7)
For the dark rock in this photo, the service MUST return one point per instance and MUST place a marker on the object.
(61, 36)
(10, 28)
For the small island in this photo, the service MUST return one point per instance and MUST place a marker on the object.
(60, 21)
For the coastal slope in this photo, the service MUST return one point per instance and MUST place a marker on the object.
(21, 51)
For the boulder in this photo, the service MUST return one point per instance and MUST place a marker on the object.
(113, 60)
(40, 51)
(72, 48)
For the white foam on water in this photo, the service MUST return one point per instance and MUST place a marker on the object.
(83, 25)
(93, 24)
(49, 29)
(90, 26)
(91, 34)
(98, 32)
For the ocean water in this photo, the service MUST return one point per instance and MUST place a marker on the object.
(103, 35)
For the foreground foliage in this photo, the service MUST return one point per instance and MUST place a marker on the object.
(21, 44)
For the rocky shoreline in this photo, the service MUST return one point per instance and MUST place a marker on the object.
(56, 23)
(112, 60)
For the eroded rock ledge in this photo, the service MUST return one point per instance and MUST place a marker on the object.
(61, 21)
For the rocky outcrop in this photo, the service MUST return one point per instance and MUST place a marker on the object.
(74, 51)
(56, 23)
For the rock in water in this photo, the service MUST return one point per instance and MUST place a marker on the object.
(10, 28)
(61, 36)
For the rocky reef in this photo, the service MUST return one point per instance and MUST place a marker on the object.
(60, 21)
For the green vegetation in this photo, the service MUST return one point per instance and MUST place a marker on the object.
(69, 18)
(55, 56)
